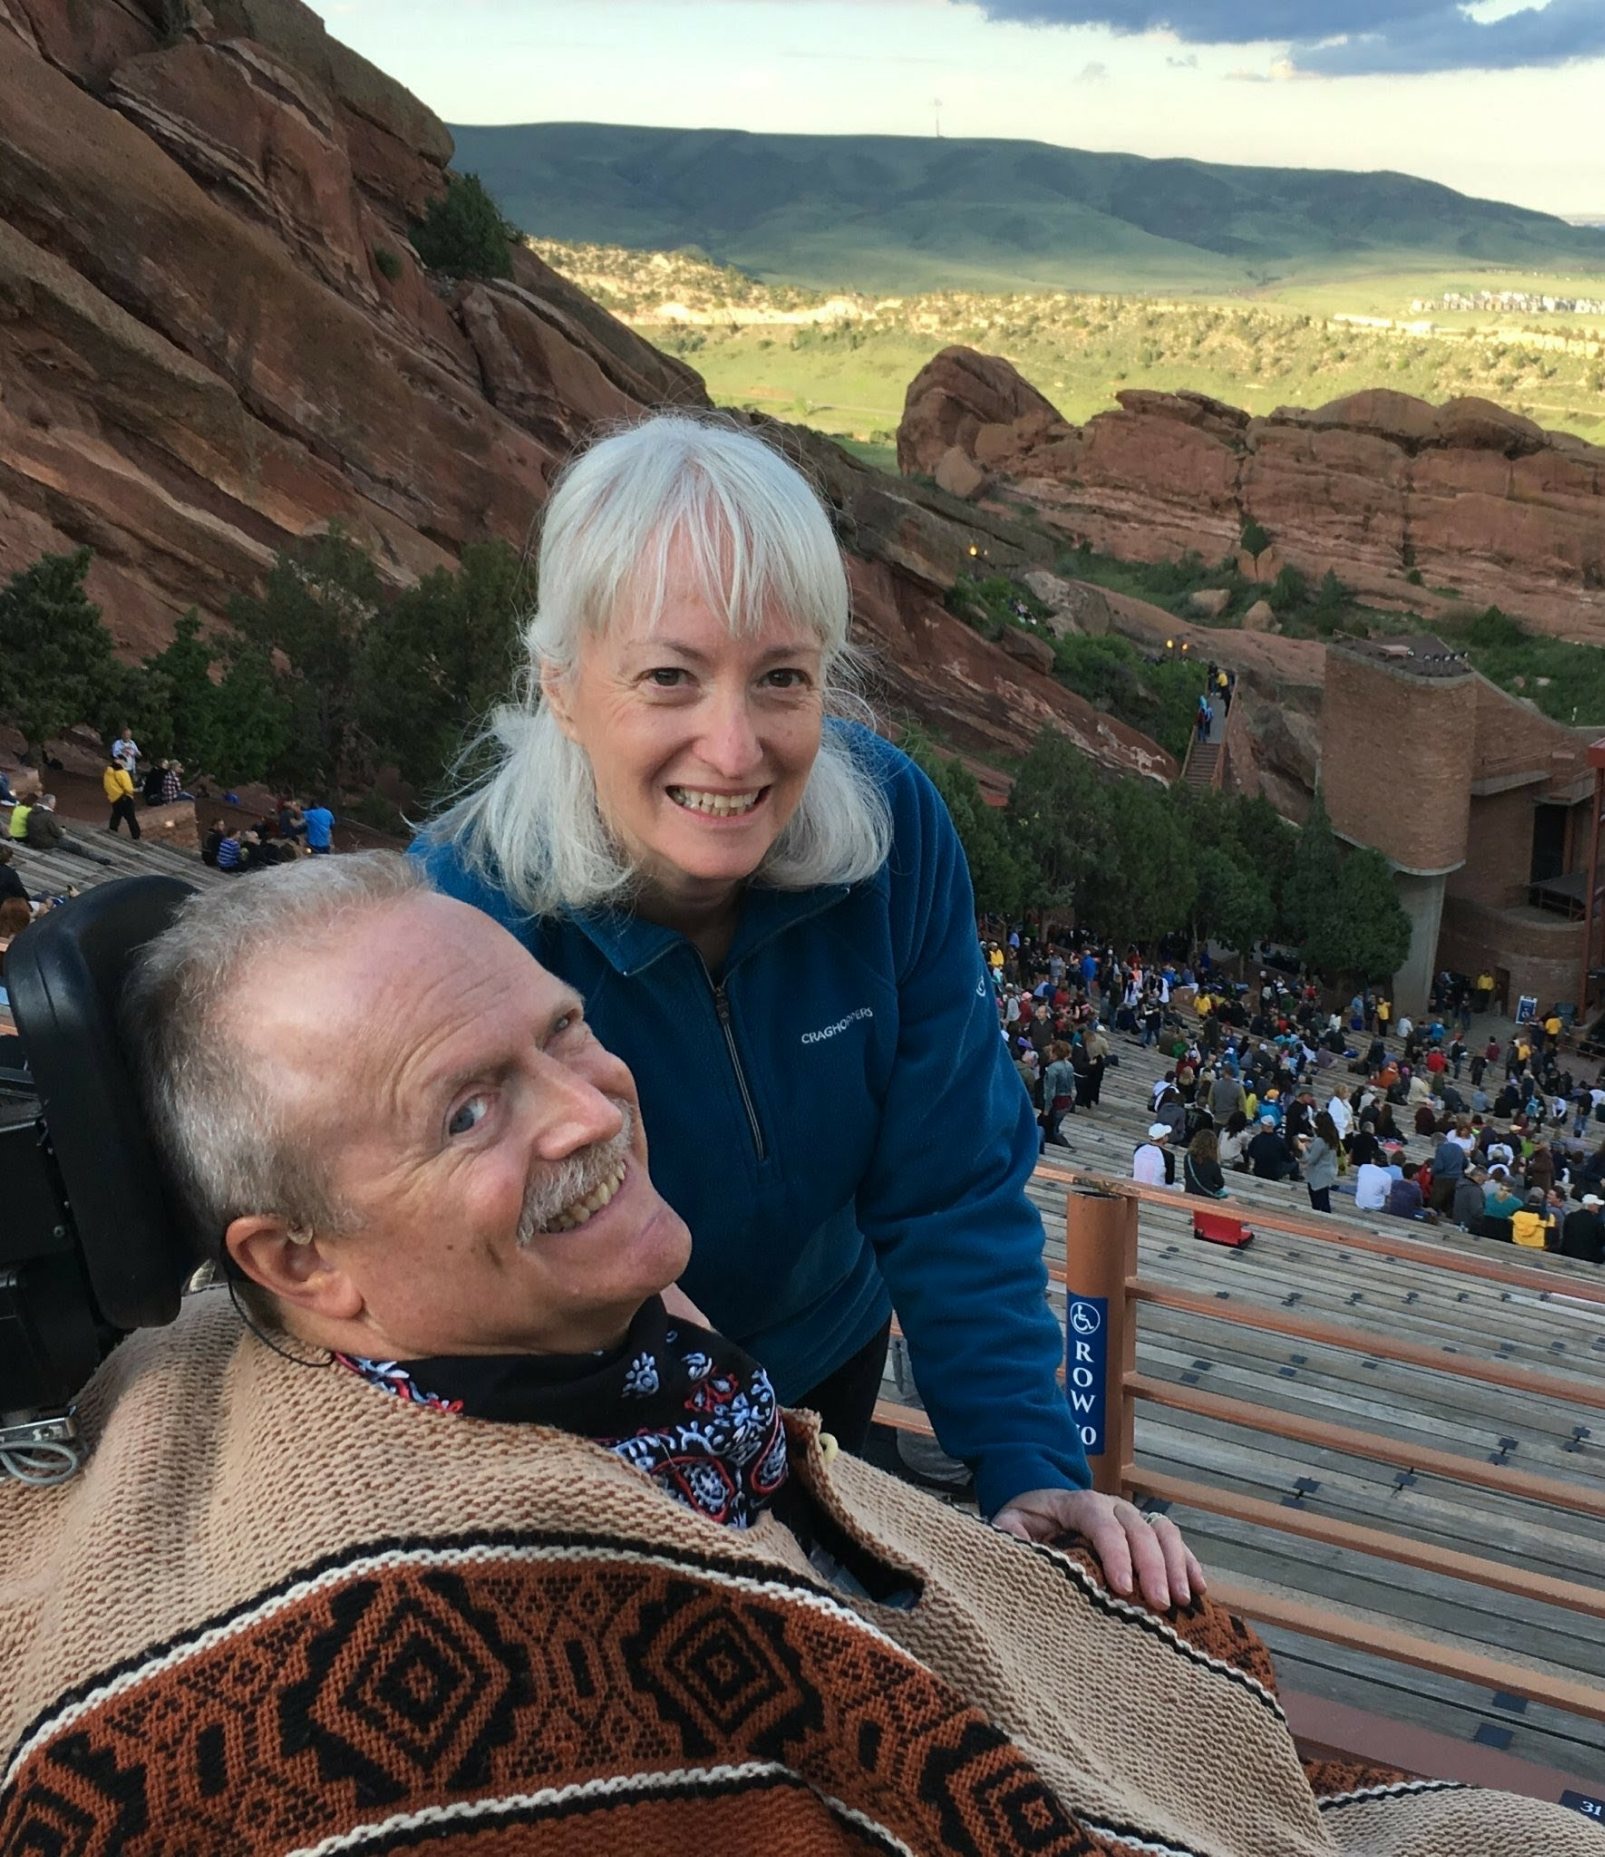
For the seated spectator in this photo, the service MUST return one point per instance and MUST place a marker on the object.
(304, 1596)
(1172, 1111)
(1233, 1140)
(1501, 1203)
(1535, 1226)
(230, 852)
(216, 832)
(1268, 1154)
(1469, 1203)
(1201, 1171)
(1404, 1195)
(15, 915)
(1426, 1118)
(1372, 1184)
(1387, 1129)
(1363, 1145)
(11, 885)
(1583, 1233)
(44, 831)
(1153, 1163)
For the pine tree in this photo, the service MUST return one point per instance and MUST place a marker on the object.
(56, 663)
(1003, 879)
(435, 661)
(463, 233)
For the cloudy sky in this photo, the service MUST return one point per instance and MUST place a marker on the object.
(1502, 98)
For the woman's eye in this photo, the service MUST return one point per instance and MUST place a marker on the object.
(666, 677)
(466, 1117)
(788, 678)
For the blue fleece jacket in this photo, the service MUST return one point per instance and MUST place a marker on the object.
(837, 1118)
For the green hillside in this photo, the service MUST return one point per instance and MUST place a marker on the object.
(842, 362)
(888, 213)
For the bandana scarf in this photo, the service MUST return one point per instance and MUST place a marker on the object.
(679, 1402)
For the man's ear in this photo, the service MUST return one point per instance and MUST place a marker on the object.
(302, 1273)
(554, 694)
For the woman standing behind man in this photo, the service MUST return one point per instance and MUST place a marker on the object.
(771, 920)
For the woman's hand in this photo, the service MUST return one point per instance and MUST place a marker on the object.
(1133, 1549)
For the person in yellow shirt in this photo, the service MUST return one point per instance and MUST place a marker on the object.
(119, 790)
(1485, 990)
(1552, 1030)
(1534, 1226)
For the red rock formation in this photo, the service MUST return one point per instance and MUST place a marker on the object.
(970, 391)
(1472, 496)
(202, 356)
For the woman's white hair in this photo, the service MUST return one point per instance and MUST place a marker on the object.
(746, 524)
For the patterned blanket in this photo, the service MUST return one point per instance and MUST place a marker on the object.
(280, 1614)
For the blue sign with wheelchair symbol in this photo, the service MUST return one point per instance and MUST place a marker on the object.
(1086, 1355)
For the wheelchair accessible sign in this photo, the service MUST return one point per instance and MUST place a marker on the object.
(1086, 1356)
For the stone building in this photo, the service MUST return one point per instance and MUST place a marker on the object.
(1479, 803)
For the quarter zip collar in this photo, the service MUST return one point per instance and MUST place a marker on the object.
(630, 945)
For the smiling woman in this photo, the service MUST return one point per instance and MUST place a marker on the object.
(696, 604)
(767, 911)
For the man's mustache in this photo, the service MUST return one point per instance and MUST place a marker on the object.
(554, 1188)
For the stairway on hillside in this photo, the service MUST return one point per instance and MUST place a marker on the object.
(1201, 765)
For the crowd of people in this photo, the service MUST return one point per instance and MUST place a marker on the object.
(1266, 1079)
(289, 831)
(28, 820)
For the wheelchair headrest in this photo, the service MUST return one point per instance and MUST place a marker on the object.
(65, 974)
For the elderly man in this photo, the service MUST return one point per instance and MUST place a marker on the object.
(473, 1542)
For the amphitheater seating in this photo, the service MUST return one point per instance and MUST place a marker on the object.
(59, 871)
(1415, 1407)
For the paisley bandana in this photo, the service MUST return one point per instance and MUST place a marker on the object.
(678, 1402)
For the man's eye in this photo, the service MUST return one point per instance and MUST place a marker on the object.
(467, 1116)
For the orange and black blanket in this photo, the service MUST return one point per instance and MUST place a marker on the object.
(277, 1613)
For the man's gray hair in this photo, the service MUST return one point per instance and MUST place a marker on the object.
(756, 538)
(231, 1142)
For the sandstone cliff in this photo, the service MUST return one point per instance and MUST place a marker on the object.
(215, 336)
(1468, 496)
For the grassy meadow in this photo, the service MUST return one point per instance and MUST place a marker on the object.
(842, 362)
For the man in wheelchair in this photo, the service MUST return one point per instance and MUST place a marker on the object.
(429, 1524)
